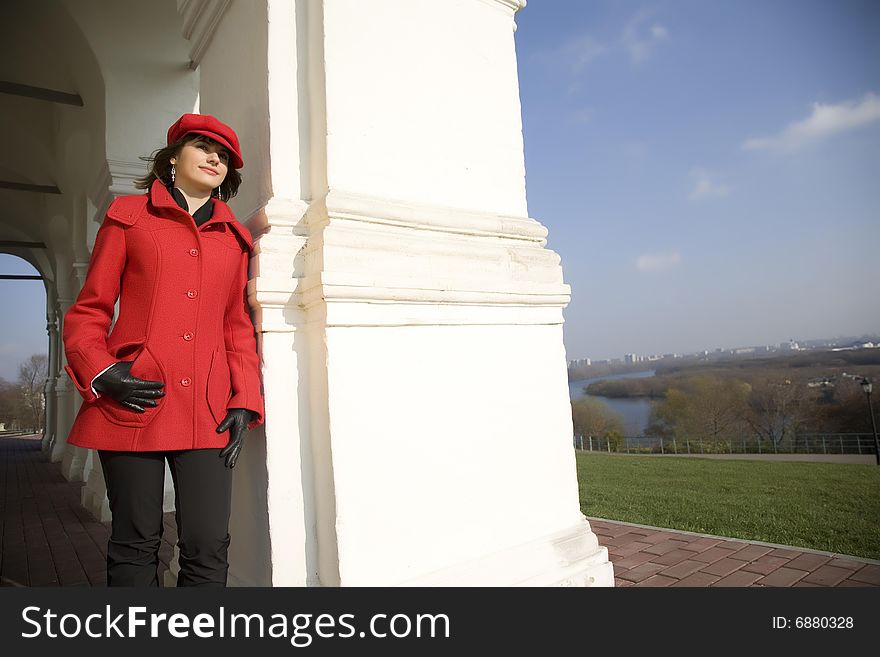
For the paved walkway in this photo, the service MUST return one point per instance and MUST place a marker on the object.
(651, 556)
(48, 539)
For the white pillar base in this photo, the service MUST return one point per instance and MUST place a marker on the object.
(94, 494)
(73, 462)
(572, 557)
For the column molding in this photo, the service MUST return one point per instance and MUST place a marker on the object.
(277, 264)
(80, 269)
(389, 263)
(509, 6)
(200, 21)
(115, 178)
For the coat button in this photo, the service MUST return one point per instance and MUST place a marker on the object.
(187, 336)
(194, 252)
(191, 294)
(185, 382)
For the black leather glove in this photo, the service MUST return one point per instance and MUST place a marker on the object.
(236, 421)
(118, 383)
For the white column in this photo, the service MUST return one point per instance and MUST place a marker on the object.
(448, 424)
(262, 46)
(73, 459)
(67, 398)
(50, 430)
(418, 426)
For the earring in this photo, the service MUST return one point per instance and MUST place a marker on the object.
(172, 174)
(217, 189)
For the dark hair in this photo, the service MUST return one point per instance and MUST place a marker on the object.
(160, 167)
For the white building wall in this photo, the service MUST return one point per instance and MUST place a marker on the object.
(439, 76)
(442, 450)
(448, 420)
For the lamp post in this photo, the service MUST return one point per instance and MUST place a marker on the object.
(866, 386)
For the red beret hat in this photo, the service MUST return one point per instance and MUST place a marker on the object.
(205, 124)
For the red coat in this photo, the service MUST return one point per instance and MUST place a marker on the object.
(183, 319)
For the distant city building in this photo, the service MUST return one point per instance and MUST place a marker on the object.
(630, 358)
(580, 362)
(791, 345)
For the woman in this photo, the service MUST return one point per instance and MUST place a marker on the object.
(178, 378)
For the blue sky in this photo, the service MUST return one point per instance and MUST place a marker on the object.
(707, 171)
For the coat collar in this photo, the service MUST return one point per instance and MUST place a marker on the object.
(160, 197)
(201, 215)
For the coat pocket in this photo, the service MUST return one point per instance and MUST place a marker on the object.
(144, 365)
(219, 388)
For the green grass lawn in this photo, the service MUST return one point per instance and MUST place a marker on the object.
(822, 506)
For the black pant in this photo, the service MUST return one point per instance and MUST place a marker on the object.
(203, 493)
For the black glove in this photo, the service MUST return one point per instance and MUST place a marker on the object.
(236, 421)
(118, 383)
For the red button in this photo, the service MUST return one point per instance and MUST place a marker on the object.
(187, 336)
(194, 252)
(191, 294)
(185, 382)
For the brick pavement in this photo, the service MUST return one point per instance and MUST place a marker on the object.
(651, 556)
(49, 539)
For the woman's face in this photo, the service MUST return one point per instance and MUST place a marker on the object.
(201, 165)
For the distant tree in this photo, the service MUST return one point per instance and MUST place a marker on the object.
(31, 382)
(639, 387)
(616, 440)
(592, 417)
(8, 402)
(704, 408)
(846, 410)
(778, 410)
(670, 418)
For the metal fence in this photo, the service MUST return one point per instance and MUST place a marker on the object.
(808, 443)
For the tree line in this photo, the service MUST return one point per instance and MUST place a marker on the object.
(22, 403)
(725, 409)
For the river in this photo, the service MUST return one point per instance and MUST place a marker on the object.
(636, 411)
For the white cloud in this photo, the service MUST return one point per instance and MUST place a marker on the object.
(581, 51)
(642, 40)
(706, 187)
(826, 120)
(658, 261)
(575, 54)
